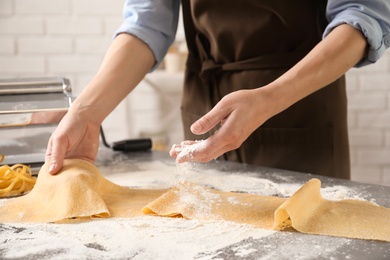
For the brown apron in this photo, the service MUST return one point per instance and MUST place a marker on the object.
(248, 44)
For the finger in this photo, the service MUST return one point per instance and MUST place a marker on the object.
(202, 151)
(211, 119)
(57, 155)
(48, 151)
(188, 142)
(186, 153)
(224, 140)
(177, 148)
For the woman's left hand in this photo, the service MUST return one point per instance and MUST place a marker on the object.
(239, 114)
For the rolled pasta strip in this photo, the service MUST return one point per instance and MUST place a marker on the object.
(15, 180)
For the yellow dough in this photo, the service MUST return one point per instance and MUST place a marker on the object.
(195, 202)
(306, 211)
(309, 212)
(80, 191)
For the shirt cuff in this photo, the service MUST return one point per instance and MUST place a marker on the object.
(370, 29)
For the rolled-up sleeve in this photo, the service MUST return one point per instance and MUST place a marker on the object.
(153, 21)
(371, 17)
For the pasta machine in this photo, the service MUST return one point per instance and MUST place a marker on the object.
(30, 109)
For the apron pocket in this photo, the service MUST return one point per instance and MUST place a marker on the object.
(299, 149)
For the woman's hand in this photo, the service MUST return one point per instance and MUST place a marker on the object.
(77, 136)
(239, 115)
(74, 137)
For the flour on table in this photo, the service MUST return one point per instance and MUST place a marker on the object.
(138, 238)
(159, 175)
(159, 238)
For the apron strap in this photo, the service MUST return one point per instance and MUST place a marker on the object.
(205, 63)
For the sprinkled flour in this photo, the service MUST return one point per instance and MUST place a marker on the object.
(199, 198)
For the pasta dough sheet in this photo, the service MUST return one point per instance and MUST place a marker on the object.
(80, 191)
(306, 211)
(196, 202)
(309, 212)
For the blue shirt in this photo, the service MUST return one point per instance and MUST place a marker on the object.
(155, 23)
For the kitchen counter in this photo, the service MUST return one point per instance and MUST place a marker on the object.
(164, 238)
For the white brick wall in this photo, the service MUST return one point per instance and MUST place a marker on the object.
(6, 7)
(369, 121)
(42, 7)
(69, 38)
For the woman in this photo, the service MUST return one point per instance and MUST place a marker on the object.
(268, 75)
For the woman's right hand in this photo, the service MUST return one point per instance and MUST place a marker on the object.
(125, 64)
(74, 137)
